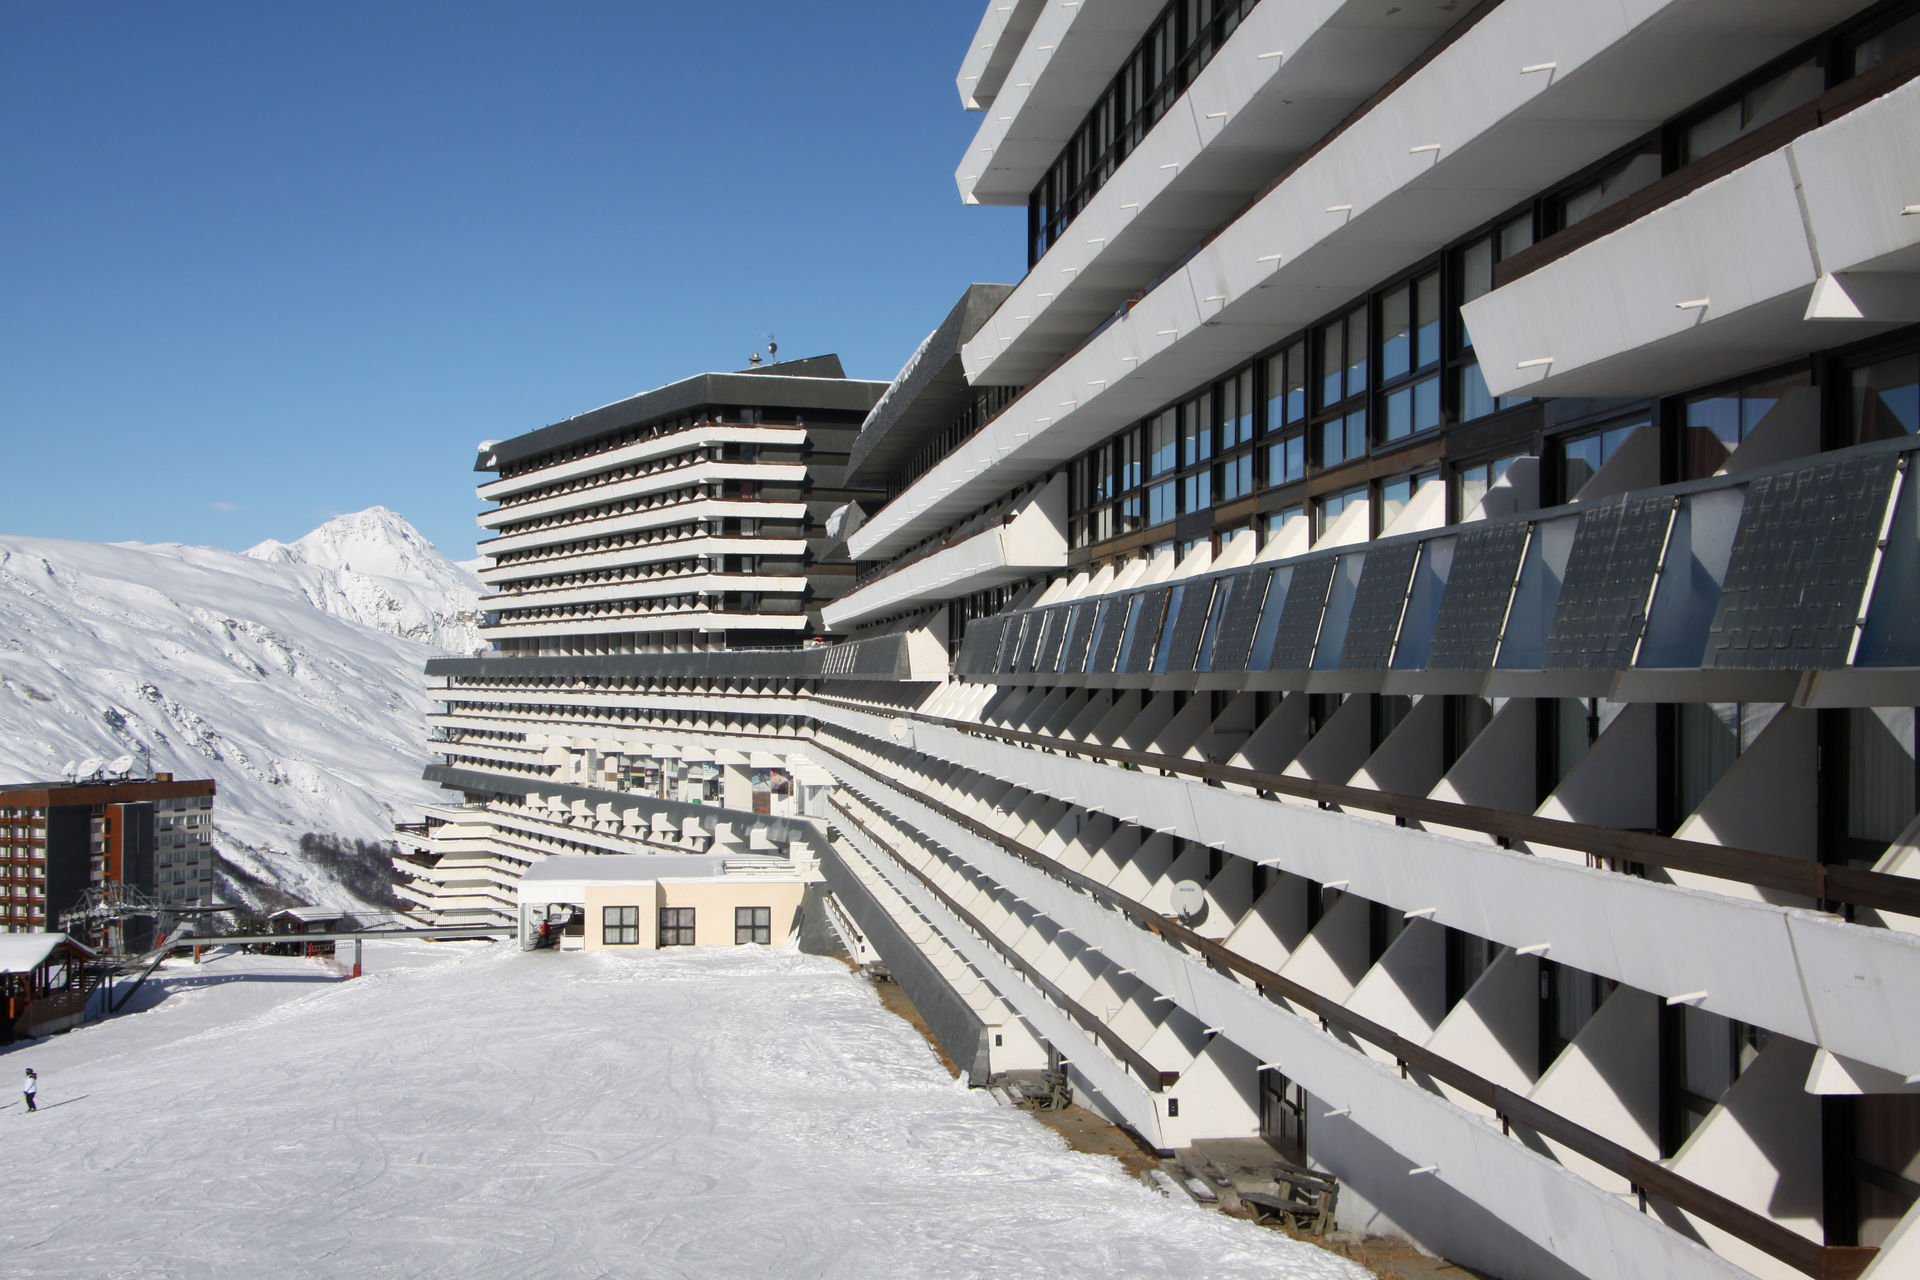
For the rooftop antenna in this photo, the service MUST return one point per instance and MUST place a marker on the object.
(773, 348)
(70, 770)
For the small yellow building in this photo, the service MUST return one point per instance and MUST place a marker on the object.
(648, 901)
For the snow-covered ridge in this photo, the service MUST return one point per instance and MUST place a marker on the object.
(374, 567)
(291, 675)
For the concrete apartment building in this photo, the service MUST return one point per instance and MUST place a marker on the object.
(639, 548)
(1400, 634)
(58, 839)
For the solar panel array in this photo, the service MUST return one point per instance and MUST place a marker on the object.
(1793, 594)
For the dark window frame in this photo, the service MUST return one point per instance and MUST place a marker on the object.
(677, 927)
(620, 926)
(755, 923)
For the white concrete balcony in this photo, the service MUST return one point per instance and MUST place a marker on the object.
(650, 623)
(649, 589)
(1811, 246)
(1533, 1194)
(1031, 538)
(642, 553)
(998, 41)
(1534, 92)
(644, 451)
(1286, 77)
(699, 473)
(1755, 962)
(662, 516)
(1068, 58)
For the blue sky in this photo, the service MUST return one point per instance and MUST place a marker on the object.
(266, 262)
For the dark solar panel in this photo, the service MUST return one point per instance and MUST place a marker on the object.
(1378, 602)
(1189, 624)
(978, 645)
(1799, 567)
(1300, 615)
(1029, 641)
(1233, 639)
(1073, 656)
(1146, 629)
(1106, 641)
(1143, 630)
(1009, 643)
(1047, 657)
(1473, 607)
(1608, 581)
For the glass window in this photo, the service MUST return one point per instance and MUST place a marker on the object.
(1618, 182)
(1396, 332)
(1413, 408)
(1128, 453)
(1334, 505)
(1196, 491)
(1160, 503)
(1896, 38)
(1755, 108)
(752, 925)
(1196, 433)
(1287, 460)
(1475, 267)
(1582, 456)
(1718, 423)
(1515, 235)
(620, 926)
(1236, 477)
(1409, 328)
(1396, 494)
(1162, 443)
(1357, 351)
(1287, 387)
(1472, 483)
(1236, 410)
(676, 926)
(1277, 520)
(1426, 320)
(1886, 398)
(1333, 363)
(1343, 437)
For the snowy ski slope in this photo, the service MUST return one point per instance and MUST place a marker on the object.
(476, 1112)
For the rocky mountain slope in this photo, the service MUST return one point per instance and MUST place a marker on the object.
(291, 675)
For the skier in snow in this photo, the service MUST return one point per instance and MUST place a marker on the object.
(29, 1087)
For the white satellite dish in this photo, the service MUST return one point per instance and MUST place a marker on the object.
(1189, 900)
(121, 765)
(70, 770)
(90, 767)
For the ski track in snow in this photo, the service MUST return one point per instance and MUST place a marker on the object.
(477, 1112)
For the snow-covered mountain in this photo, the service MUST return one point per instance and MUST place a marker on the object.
(374, 567)
(291, 675)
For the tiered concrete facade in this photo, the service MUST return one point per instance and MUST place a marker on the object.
(1427, 562)
(634, 547)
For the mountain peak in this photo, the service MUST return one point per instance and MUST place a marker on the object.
(375, 567)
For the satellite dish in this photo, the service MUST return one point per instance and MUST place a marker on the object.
(1189, 900)
(122, 765)
(70, 770)
(90, 767)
